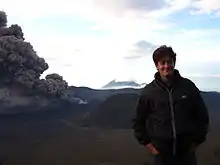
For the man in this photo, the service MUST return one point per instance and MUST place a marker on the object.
(171, 117)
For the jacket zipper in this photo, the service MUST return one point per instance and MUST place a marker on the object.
(172, 115)
(173, 121)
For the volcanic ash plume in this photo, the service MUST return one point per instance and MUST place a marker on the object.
(19, 63)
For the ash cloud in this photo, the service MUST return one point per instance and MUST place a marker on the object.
(19, 63)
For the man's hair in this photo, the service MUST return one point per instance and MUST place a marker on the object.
(163, 51)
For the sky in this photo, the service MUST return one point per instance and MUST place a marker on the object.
(91, 42)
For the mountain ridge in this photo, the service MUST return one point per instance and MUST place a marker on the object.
(114, 84)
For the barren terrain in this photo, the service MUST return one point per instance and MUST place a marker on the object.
(25, 142)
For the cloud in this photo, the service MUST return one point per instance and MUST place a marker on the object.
(144, 46)
(147, 8)
(141, 48)
(89, 8)
(146, 5)
(206, 7)
(133, 5)
(198, 33)
(208, 68)
(138, 14)
(68, 65)
(204, 75)
(86, 8)
(132, 57)
(137, 17)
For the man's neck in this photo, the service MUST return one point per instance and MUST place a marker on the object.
(167, 80)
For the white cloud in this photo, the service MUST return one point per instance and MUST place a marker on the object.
(206, 6)
(93, 9)
(122, 7)
(174, 6)
(121, 16)
(196, 45)
(203, 75)
(32, 9)
(102, 58)
(97, 61)
(130, 19)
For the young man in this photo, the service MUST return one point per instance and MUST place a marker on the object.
(171, 117)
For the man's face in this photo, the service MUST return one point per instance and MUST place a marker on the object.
(165, 66)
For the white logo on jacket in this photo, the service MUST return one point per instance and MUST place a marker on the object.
(183, 96)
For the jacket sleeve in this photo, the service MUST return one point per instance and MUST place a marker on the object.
(139, 122)
(201, 116)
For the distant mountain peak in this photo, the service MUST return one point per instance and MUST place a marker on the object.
(122, 84)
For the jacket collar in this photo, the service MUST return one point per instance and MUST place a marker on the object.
(176, 77)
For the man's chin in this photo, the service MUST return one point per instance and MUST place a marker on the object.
(168, 75)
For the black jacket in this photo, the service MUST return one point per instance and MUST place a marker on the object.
(171, 118)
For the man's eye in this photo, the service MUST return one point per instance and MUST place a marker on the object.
(164, 62)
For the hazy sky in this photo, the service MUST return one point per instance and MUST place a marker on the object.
(91, 42)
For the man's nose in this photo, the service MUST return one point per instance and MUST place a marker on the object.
(166, 65)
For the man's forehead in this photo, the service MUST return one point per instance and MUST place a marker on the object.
(165, 58)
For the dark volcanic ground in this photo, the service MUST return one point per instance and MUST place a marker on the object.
(26, 141)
